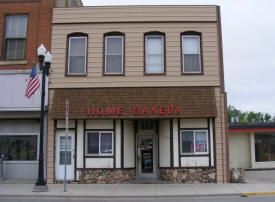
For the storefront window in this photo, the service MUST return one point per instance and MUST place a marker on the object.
(264, 147)
(106, 143)
(99, 143)
(194, 142)
(19, 148)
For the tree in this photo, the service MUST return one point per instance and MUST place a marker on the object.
(236, 115)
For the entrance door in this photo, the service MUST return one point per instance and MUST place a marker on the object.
(60, 155)
(146, 156)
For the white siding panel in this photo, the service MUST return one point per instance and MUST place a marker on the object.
(193, 123)
(176, 143)
(13, 86)
(79, 152)
(164, 143)
(194, 161)
(99, 162)
(62, 124)
(99, 124)
(239, 150)
(20, 170)
(19, 126)
(212, 143)
(129, 144)
(118, 143)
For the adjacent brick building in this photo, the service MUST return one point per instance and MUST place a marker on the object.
(24, 25)
(146, 92)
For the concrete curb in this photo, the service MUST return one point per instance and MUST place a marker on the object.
(246, 194)
(116, 196)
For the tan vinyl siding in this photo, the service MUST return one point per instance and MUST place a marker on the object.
(134, 14)
(50, 145)
(134, 55)
(220, 138)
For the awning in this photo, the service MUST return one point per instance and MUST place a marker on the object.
(128, 103)
(251, 127)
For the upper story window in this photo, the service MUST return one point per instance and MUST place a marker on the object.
(15, 37)
(154, 53)
(77, 54)
(191, 53)
(114, 53)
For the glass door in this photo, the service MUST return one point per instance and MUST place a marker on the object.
(60, 156)
(146, 156)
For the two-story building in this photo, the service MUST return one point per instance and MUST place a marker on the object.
(24, 25)
(146, 95)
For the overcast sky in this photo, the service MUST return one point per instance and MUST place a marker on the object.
(248, 45)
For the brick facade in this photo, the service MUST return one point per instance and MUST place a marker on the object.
(38, 28)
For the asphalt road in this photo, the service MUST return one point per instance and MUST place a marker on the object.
(210, 199)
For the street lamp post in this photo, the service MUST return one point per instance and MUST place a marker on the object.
(45, 60)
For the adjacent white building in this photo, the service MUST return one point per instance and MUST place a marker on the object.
(19, 125)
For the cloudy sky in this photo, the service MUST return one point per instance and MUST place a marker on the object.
(248, 44)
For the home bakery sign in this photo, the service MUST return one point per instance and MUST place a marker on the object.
(135, 111)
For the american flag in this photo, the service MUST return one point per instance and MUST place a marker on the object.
(33, 83)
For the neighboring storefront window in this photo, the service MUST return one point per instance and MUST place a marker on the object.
(99, 143)
(194, 142)
(264, 147)
(19, 148)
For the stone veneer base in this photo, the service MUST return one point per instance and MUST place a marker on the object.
(188, 175)
(118, 176)
(105, 176)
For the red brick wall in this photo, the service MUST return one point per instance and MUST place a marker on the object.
(38, 31)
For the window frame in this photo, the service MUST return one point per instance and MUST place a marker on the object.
(20, 135)
(197, 35)
(69, 37)
(259, 136)
(114, 35)
(99, 141)
(14, 38)
(194, 138)
(155, 34)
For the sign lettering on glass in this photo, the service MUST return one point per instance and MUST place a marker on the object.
(200, 147)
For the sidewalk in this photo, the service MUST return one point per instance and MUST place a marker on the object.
(134, 190)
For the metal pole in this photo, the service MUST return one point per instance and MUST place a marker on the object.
(1, 167)
(66, 138)
(41, 181)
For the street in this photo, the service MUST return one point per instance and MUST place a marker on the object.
(198, 199)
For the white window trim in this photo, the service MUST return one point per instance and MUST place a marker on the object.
(14, 38)
(182, 56)
(122, 55)
(146, 53)
(85, 66)
(99, 141)
(194, 153)
(25, 134)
